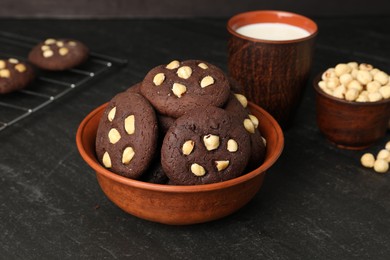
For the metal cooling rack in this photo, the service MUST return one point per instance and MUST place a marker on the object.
(48, 86)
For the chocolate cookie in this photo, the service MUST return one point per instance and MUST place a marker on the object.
(58, 54)
(164, 123)
(155, 174)
(205, 146)
(179, 87)
(135, 88)
(127, 134)
(237, 108)
(14, 75)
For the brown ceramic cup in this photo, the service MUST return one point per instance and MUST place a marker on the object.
(273, 73)
(350, 124)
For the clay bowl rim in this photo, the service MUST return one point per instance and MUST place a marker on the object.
(231, 25)
(181, 188)
(319, 91)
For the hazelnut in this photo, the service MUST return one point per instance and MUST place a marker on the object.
(111, 114)
(345, 79)
(45, 47)
(327, 90)
(341, 69)
(184, 72)
(60, 44)
(211, 142)
(351, 94)
(203, 66)
(13, 61)
(50, 41)
(242, 99)
(187, 147)
(127, 155)
(20, 67)
(5, 73)
(179, 89)
(362, 98)
(114, 136)
(197, 170)
(332, 83)
(339, 92)
(72, 43)
(365, 66)
(221, 165)
(381, 77)
(2, 64)
(363, 76)
(384, 154)
(173, 65)
(207, 81)
(354, 73)
(63, 51)
(374, 71)
(158, 79)
(381, 166)
(355, 85)
(130, 124)
(353, 65)
(48, 53)
(248, 124)
(322, 84)
(373, 86)
(387, 146)
(367, 160)
(106, 160)
(254, 120)
(232, 146)
(385, 91)
(329, 73)
(374, 96)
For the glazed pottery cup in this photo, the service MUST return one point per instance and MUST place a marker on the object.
(273, 72)
(350, 124)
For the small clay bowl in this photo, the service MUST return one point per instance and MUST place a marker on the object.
(349, 124)
(180, 205)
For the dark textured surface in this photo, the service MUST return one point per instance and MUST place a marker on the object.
(179, 8)
(317, 202)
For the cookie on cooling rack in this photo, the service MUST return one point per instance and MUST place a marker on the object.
(14, 75)
(58, 54)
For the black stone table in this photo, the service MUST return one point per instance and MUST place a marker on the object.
(317, 202)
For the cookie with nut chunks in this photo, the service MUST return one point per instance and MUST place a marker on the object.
(58, 54)
(14, 75)
(127, 135)
(178, 87)
(238, 110)
(205, 146)
(164, 122)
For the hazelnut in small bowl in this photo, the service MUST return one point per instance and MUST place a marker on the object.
(353, 104)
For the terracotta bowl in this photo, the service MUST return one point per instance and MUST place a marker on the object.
(180, 205)
(348, 124)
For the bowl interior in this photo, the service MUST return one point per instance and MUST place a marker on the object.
(86, 134)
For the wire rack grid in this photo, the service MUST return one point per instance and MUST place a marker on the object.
(48, 86)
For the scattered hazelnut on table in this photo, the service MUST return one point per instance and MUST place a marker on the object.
(380, 163)
(356, 82)
(381, 166)
(368, 160)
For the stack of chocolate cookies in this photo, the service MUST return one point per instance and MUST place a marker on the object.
(186, 123)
